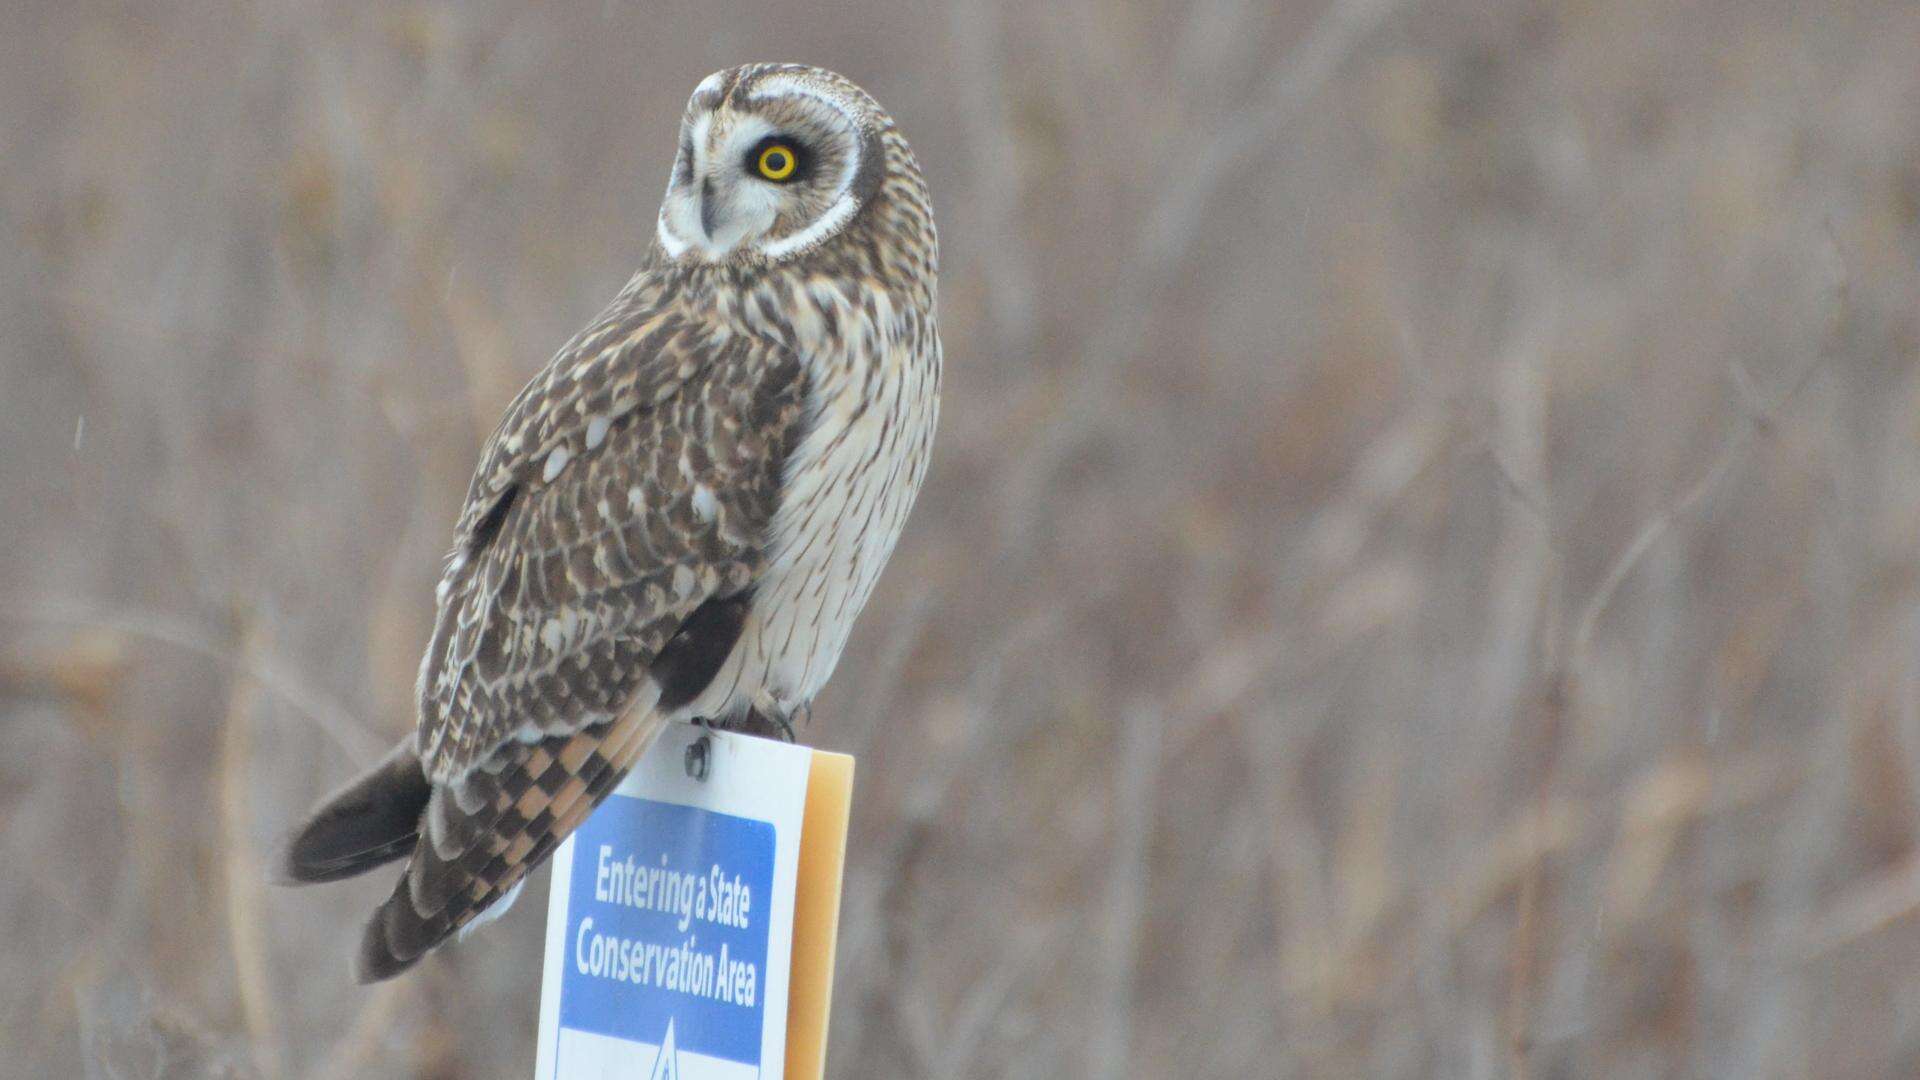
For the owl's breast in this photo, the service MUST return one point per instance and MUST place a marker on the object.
(848, 485)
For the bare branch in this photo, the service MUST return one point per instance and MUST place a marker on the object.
(347, 1058)
(1732, 453)
(242, 868)
(352, 736)
(1171, 231)
(1135, 779)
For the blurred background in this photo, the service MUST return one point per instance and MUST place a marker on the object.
(1419, 576)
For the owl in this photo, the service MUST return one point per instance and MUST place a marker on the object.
(679, 517)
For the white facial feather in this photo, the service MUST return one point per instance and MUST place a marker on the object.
(785, 86)
(750, 207)
(841, 211)
(829, 223)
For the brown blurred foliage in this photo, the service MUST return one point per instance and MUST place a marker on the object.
(1418, 577)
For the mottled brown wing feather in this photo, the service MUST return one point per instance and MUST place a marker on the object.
(630, 482)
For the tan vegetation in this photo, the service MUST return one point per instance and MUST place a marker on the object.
(1418, 579)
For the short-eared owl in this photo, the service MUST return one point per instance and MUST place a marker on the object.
(680, 516)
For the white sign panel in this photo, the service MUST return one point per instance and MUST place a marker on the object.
(670, 924)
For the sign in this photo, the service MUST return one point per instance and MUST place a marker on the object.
(691, 921)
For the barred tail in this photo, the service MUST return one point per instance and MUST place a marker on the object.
(482, 835)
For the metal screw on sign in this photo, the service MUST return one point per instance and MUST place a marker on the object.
(699, 757)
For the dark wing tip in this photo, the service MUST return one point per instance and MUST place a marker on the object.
(300, 866)
(371, 821)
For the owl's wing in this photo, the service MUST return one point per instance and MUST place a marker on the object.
(629, 483)
(623, 501)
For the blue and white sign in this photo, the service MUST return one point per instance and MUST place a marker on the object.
(670, 924)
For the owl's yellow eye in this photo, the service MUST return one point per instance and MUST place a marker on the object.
(777, 162)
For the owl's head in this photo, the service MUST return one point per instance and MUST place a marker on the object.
(774, 160)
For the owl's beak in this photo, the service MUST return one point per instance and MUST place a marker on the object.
(707, 208)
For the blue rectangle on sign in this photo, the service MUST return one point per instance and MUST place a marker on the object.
(667, 923)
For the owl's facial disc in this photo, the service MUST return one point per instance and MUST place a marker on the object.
(766, 168)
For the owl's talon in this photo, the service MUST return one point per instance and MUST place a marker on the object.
(787, 721)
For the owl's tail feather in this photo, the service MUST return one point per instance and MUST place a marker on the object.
(480, 837)
(372, 821)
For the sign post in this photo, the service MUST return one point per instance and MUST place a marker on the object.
(692, 921)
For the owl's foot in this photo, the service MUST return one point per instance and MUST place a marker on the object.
(765, 723)
(800, 714)
(782, 722)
